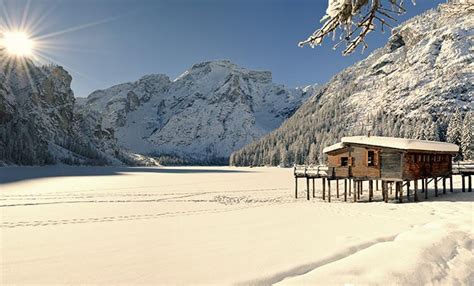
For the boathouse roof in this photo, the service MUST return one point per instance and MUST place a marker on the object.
(394, 143)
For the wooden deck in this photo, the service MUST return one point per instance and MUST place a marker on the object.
(353, 186)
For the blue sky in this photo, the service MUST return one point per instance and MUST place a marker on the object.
(107, 42)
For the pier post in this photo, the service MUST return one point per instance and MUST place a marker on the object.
(415, 191)
(324, 188)
(296, 187)
(350, 188)
(396, 190)
(329, 190)
(400, 190)
(307, 188)
(444, 185)
(451, 183)
(358, 190)
(355, 190)
(469, 183)
(426, 188)
(337, 188)
(314, 190)
(345, 190)
(436, 186)
(408, 190)
(371, 190)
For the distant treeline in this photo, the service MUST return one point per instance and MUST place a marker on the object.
(302, 138)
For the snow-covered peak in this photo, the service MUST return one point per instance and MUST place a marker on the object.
(212, 71)
(212, 109)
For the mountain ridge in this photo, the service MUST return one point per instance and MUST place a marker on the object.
(210, 110)
(409, 88)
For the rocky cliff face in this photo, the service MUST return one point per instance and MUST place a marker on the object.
(38, 124)
(211, 110)
(409, 88)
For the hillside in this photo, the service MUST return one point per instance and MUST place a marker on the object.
(409, 88)
(38, 122)
(211, 110)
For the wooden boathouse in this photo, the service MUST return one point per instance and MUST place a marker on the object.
(394, 162)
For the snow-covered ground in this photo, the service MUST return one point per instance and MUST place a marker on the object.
(193, 225)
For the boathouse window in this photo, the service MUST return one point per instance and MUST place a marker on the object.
(344, 161)
(370, 158)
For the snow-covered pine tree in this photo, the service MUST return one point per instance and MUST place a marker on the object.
(455, 128)
(453, 134)
(313, 154)
(467, 144)
(284, 159)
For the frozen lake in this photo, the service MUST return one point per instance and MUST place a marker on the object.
(219, 225)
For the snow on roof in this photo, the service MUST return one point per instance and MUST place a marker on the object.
(333, 147)
(396, 143)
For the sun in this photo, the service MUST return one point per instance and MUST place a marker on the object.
(17, 44)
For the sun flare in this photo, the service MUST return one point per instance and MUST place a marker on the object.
(18, 44)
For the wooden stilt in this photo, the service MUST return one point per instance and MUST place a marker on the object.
(385, 190)
(391, 188)
(396, 190)
(324, 188)
(329, 190)
(463, 184)
(361, 188)
(337, 188)
(451, 183)
(426, 188)
(408, 190)
(314, 190)
(296, 187)
(400, 190)
(444, 185)
(436, 186)
(371, 190)
(377, 185)
(423, 185)
(415, 191)
(469, 183)
(307, 188)
(350, 188)
(358, 189)
(355, 187)
(345, 190)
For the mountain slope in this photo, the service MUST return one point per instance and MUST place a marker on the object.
(208, 112)
(409, 88)
(38, 123)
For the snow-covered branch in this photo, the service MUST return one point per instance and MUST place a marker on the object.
(356, 18)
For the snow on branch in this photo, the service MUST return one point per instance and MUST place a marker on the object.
(356, 18)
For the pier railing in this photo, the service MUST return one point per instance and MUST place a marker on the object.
(463, 168)
(311, 171)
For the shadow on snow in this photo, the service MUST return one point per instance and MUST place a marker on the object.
(16, 174)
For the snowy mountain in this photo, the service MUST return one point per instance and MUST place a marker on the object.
(211, 110)
(38, 123)
(409, 88)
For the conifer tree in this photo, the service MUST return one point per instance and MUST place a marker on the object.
(455, 128)
(467, 145)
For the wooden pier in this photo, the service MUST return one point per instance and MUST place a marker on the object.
(398, 167)
(351, 189)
